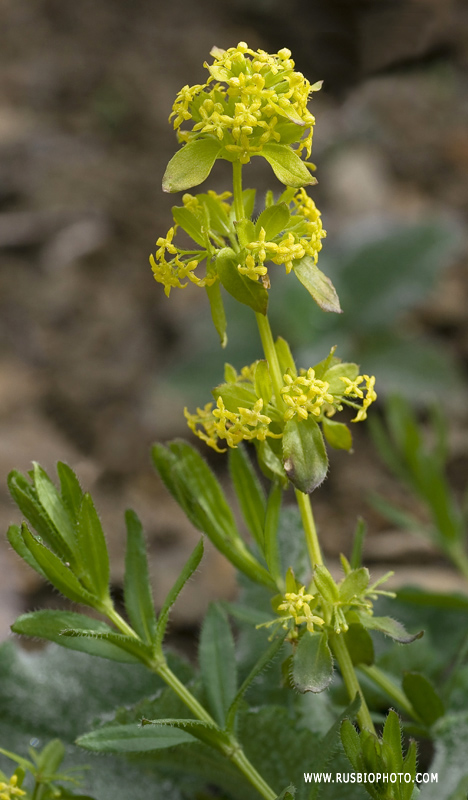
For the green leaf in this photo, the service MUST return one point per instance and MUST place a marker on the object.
(70, 489)
(351, 743)
(218, 314)
(249, 492)
(93, 548)
(191, 165)
(270, 463)
(263, 382)
(288, 794)
(359, 643)
(285, 358)
(423, 697)
(313, 663)
(325, 584)
(193, 485)
(128, 643)
(133, 738)
(317, 284)
(245, 231)
(56, 512)
(354, 585)
(244, 290)
(219, 220)
(358, 541)
(137, 588)
(264, 660)
(217, 658)
(189, 222)
(391, 734)
(287, 166)
(235, 395)
(337, 434)
(56, 571)
(273, 220)
(17, 542)
(48, 624)
(248, 198)
(304, 456)
(209, 734)
(50, 758)
(390, 627)
(186, 573)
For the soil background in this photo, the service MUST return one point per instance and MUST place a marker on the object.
(88, 339)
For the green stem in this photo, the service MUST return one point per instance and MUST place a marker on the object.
(307, 516)
(118, 621)
(165, 672)
(271, 356)
(339, 648)
(390, 688)
(237, 185)
(243, 764)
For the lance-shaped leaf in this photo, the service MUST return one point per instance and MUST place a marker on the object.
(50, 757)
(390, 627)
(244, 290)
(261, 664)
(70, 489)
(209, 734)
(271, 544)
(190, 223)
(25, 497)
(285, 357)
(217, 658)
(360, 645)
(137, 588)
(195, 488)
(186, 573)
(351, 743)
(218, 314)
(191, 165)
(16, 540)
(423, 697)
(56, 511)
(133, 738)
(50, 624)
(273, 220)
(287, 166)
(317, 284)
(313, 663)
(249, 492)
(93, 549)
(58, 573)
(127, 643)
(304, 456)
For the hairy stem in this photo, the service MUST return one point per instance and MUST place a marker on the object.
(307, 516)
(340, 650)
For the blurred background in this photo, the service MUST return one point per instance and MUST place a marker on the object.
(96, 363)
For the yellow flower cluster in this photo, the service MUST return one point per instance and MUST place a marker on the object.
(305, 395)
(290, 246)
(10, 789)
(210, 424)
(179, 268)
(253, 97)
(296, 606)
(355, 390)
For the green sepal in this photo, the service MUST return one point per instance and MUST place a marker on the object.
(137, 588)
(360, 645)
(57, 572)
(273, 220)
(423, 697)
(337, 434)
(249, 492)
(191, 225)
(185, 574)
(209, 734)
(218, 314)
(244, 290)
(70, 489)
(285, 358)
(263, 383)
(317, 284)
(50, 624)
(217, 659)
(304, 456)
(390, 627)
(287, 166)
(313, 663)
(191, 165)
(92, 543)
(132, 738)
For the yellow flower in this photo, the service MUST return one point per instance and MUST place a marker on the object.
(211, 425)
(10, 789)
(305, 395)
(354, 389)
(179, 268)
(296, 606)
